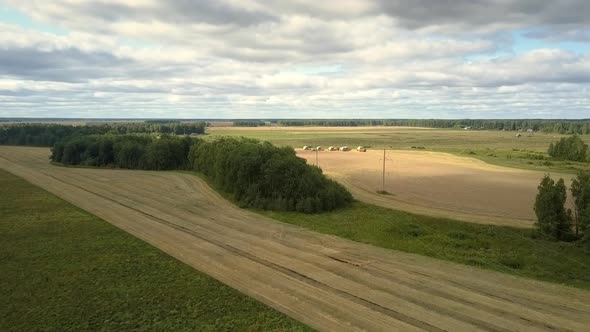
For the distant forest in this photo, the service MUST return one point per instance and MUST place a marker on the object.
(249, 123)
(37, 134)
(550, 126)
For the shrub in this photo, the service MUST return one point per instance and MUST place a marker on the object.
(512, 262)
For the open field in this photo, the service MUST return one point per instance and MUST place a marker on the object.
(64, 269)
(437, 184)
(495, 147)
(324, 281)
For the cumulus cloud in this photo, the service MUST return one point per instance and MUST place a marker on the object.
(468, 13)
(252, 58)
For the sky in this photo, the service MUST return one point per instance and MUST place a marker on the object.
(295, 59)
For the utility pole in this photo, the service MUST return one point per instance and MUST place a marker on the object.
(316, 158)
(383, 183)
(383, 177)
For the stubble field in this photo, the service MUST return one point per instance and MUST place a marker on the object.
(488, 177)
(436, 184)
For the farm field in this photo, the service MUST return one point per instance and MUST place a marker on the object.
(436, 184)
(324, 281)
(64, 269)
(494, 147)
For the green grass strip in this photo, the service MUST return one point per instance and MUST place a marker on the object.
(506, 249)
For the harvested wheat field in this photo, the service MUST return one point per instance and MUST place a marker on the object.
(326, 282)
(436, 184)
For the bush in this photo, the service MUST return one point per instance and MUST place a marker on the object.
(513, 262)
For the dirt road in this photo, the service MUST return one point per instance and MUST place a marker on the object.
(329, 283)
(437, 184)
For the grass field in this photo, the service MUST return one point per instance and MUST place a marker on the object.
(504, 249)
(495, 147)
(66, 270)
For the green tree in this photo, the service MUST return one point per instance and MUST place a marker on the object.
(552, 217)
(569, 148)
(581, 192)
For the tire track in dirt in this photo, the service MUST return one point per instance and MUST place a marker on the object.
(326, 282)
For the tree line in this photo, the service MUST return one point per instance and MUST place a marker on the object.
(557, 221)
(264, 176)
(581, 127)
(249, 123)
(257, 174)
(37, 134)
(134, 151)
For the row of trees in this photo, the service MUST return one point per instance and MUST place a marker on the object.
(553, 218)
(124, 151)
(36, 134)
(549, 126)
(249, 123)
(261, 175)
(569, 148)
(257, 174)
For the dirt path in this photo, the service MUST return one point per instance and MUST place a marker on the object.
(437, 184)
(326, 282)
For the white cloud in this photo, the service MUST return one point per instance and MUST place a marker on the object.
(249, 58)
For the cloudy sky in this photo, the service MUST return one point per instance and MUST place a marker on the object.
(295, 58)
